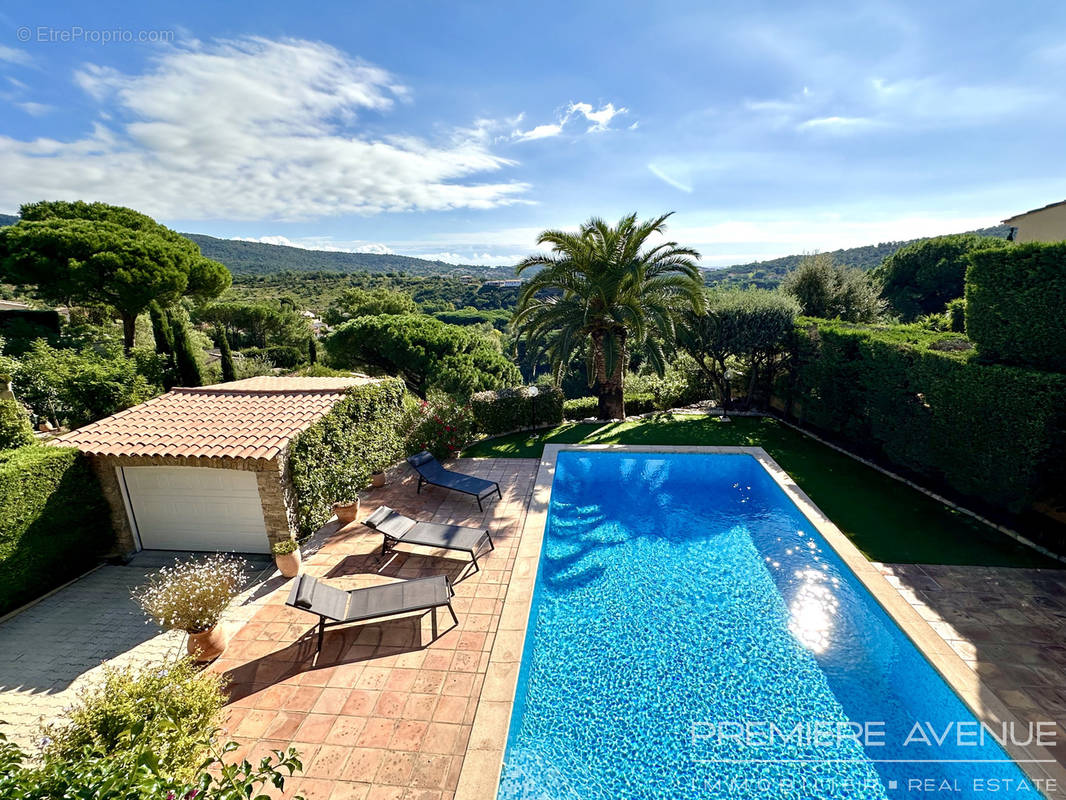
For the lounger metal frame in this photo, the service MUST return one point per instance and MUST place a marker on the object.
(325, 621)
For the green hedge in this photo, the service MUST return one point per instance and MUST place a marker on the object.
(916, 399)
(507, 410)
(1014, 305)
(584, 407)
(334, 458)
(54, 521)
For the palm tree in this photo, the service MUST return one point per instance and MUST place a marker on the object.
(603, 286)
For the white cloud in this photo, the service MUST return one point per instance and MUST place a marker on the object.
(36, 109)
(320, 243)
(13, 55)
(599, 117)
(253, 128)
(539, 132)
(837, 124)
(671, 179)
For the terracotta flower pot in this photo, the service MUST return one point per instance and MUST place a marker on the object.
(346, 512)
(377, 479)
(288, 563)
(207, 645)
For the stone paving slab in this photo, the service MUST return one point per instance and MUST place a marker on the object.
(54, 649)
(1007, 624)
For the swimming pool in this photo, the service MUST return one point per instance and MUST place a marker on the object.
(693, 635)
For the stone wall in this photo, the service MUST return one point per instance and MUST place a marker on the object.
(269, 476)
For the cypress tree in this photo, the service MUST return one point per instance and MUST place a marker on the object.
(161, 331)
(228, 371)
(312, 350)
(188, 366)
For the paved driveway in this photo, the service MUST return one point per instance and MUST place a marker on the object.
(53, 649)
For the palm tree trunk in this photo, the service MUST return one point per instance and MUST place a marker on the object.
(612, 403)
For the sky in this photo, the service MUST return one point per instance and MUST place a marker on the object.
(458, 131)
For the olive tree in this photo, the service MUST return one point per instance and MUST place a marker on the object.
(742, 330)
(833, 291)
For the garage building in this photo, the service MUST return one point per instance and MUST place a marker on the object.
(204, 468)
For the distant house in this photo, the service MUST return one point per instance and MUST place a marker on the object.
(513, 283)
(1047, 224)
(205, 468)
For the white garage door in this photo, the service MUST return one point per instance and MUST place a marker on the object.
(196, 508)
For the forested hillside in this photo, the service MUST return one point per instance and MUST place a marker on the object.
(256, 258)
(768, 274)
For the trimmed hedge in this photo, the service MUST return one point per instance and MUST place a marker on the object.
(54, 521)
(507, 410)
(334, 458)
(987, 431)
(1014, 305)
(584, 407)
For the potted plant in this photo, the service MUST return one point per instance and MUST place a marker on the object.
(377, 478)
(191, 596)
(287, 557)
(346, 510)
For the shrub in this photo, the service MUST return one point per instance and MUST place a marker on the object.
(510, 409)
(80, 386)
(1014, 305)
(921, 277)
(987, 431)
(284, 547)
(441, 425)
(334, 458)
(97, 774)
(824, 289)
(54, 521)
(15, 429)
(956, 311)
(191, 595)
(584, 407)
(148, 696)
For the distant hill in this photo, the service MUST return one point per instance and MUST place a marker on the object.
(256, 258)
(768, 274)
(7, 219)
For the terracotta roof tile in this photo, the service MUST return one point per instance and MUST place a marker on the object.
(253, 418)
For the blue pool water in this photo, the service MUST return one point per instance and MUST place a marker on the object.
(677, 592)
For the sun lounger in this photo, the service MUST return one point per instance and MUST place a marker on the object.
(335, 606)
(398, 529)
(432, 472)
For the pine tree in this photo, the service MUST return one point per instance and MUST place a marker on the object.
(188, 366)
(228, 371)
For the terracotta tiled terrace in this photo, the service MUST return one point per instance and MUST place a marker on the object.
(383, 712)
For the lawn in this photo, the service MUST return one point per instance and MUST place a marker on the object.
(886, 519)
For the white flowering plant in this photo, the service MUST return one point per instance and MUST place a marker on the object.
(191, 595)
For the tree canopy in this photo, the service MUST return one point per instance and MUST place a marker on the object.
(922, 277)
(608, 286)
(359, 302)
(98, 254)
(827, 290)
(742, 330)
(426, 353)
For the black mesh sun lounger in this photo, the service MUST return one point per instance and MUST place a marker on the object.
(335, 606)
(398, 529)
(432, 472)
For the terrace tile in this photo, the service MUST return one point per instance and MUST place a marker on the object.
(383, 713)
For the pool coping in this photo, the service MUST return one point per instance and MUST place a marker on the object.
(480, 775)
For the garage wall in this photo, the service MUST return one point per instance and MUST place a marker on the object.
(268, 477)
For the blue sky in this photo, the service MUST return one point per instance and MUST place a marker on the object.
(459, 130)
